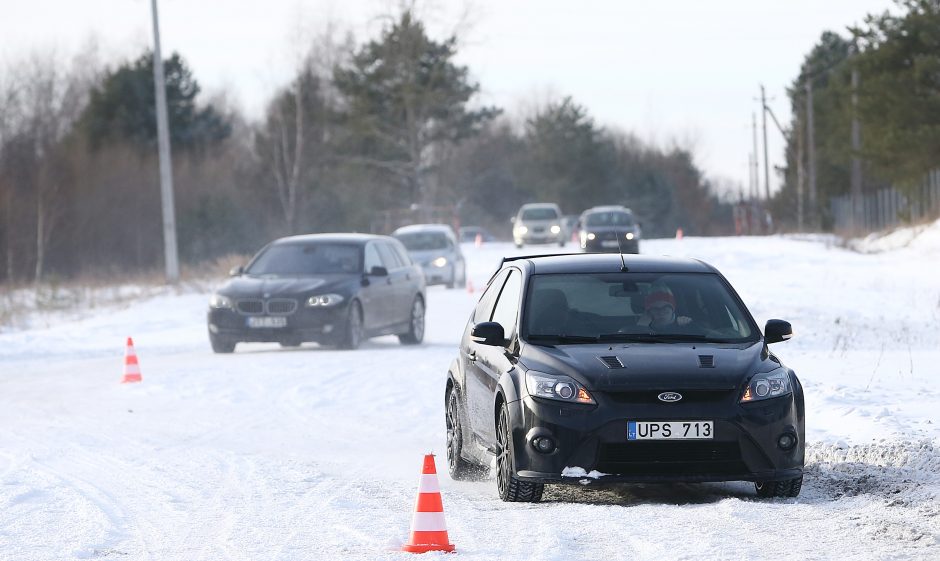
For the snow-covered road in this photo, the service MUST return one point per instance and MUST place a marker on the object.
(309, 453)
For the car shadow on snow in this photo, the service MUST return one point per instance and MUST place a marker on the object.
(635, 494)
(391, 345)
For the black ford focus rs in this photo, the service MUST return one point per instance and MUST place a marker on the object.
(594, 369)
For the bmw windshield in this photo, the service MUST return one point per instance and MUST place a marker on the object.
(634, 307)
(303, 259)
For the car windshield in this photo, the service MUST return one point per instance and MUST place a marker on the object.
(540, 213)
(423, 241)
(643, 307)
(301, 259)
(613, 218)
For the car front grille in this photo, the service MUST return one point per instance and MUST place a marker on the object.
(281, 306)
(688, 396)
(670, 458)
(274, 307)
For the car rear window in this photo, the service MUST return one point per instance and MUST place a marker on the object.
(540, 213)
(612, 304)
(299, 259)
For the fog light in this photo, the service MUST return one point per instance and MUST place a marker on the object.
(786, 441)
(544, 444)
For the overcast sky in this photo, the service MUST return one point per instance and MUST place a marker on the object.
(685, 71)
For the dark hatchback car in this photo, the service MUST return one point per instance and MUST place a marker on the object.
(594, 369)
(334, 289)
(609, 228)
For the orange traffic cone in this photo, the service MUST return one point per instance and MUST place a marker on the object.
(679, 234)
(469, 286)
(478, 241)
(131, 368)
(428, 531)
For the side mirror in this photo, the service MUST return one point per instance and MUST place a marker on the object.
(488, 333)
(777, 330)
(236, 271)
(379, 271)
(512, 219)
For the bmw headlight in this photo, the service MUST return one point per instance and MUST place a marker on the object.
(629, 235)
(767, 385)
(439, 262)
(558, 387)
(591, 236)
(220, 302)
(324, 300)
(556, 229)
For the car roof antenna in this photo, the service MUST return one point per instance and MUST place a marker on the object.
(623, 262)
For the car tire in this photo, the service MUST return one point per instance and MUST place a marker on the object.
(518, 246)
(787, 488)
(415, 332)
(510, 488)
(462, 283)
(459, 468)
(352, 336)
(221, 345)
(289, 342)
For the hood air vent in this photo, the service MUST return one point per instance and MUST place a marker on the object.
(706, 361)
(611, 361)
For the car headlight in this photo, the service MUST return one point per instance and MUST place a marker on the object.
(521, 230)
(324, 300)
(591, 236)
(767, 385)
(556, 229)
(558, 387)
(629, 235)
(220, 302)
(439, 262)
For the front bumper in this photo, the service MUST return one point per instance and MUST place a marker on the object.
(539, 237)
(594, 438)
(323, 325)
(438, 275)
(612, 246)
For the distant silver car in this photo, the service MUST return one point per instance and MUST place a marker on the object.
(434, 247)
(538, 223)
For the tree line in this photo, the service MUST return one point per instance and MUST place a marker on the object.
(392, 124)
(894, 101)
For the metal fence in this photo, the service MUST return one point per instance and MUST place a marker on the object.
(887, 208)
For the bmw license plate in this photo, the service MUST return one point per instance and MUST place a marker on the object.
(609, 243)
(670, 430)
(267, 321)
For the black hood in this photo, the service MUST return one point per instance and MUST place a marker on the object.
(259, 287)
(652, 366)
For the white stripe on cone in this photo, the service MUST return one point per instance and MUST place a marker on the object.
(428, 483)
(132, 369)
(428, 522)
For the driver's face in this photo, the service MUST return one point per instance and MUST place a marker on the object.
(660, 313)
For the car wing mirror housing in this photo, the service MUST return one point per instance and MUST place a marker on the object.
(777, 330)
(379, 271)
(236, 271)
(488, 333)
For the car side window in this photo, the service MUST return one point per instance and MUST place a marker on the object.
(402, 253)
(507, 306)
(372, 258)
(389, 259)
(484, 307)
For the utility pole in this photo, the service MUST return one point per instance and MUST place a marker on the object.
(856, 170)
(755, 169)
(763, 105)
(811, 156)
(800, 175)
(166, 166)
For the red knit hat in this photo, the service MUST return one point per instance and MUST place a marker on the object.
(659, 296)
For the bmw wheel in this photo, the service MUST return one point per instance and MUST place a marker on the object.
(221, 345)
(415, 332)
(779, 489)
(510, 488)
(352, 337)
(459, 468)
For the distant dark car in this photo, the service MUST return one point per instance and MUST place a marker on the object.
(609, 228)
(468, 234)
(333, 289)
(591, 369)
(434, 247)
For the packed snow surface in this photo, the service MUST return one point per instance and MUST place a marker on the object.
(313, 453)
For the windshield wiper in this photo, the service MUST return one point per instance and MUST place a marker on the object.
(659, 338)
(563, 338)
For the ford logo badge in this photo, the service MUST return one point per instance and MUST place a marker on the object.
(670, 397)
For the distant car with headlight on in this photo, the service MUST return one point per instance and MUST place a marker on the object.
(589, 369)
(434, 247)
(609, 228)
(333, 289)
(538, 223)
